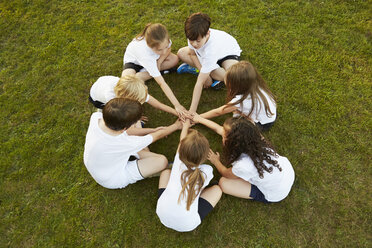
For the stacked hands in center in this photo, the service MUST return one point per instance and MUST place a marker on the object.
(116, 151)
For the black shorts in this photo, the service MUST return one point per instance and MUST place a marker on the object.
(264, 127)
(96, 104)
(257, 195)
(133, 66)
(204, 207)
(234, 57)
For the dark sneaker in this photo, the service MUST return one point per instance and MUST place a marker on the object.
(217, 85)
(185, 68)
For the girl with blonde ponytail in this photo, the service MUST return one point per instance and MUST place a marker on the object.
(183, 199)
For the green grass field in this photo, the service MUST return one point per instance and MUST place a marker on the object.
(315, 56)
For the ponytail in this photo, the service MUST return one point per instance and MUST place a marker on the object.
(154, 34)
(193, 151)
(193, 185)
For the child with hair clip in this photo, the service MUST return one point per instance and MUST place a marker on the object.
(183, 199)
(149, 54)
(258, 172)
(248, 95)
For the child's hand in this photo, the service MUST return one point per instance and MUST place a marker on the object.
(182, 112)
(144, 118)
(196, 118)
(179, 124)
(213, 157)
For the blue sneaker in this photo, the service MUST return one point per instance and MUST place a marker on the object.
(217, 85)
(185, 68)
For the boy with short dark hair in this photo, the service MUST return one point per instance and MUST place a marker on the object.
(113, 156)
(211, 51)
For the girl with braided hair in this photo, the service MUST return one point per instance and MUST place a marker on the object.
(183, 199)
(258, 172)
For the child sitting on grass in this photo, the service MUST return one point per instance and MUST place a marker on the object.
(129, 86)
(183, 199)
(247, 95)
(148, 54)
(113, 156)
(211, 51)
(258, 172)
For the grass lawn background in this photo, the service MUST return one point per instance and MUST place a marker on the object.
(315, 56)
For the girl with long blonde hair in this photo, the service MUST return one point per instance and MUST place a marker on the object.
(184, 200)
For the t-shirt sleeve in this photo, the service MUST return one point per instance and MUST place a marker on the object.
(151, 66)
(208, 62)
(240, 169)
(140, 142)
(147, 98)
(208, 170)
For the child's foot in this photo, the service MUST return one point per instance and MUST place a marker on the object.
(185, 68)
(217, 85)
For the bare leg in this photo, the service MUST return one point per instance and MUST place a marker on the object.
(218, 74)
(184, 56)
(235, 187)
(169, 62)
(128, 72)
(212, 194)
(144, 75)
(151, 163)
(164, 178)
(229, 62)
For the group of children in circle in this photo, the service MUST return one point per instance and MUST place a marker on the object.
(116, 149)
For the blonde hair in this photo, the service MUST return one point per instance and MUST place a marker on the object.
(154, 34)
(193, 151)
(132, 87)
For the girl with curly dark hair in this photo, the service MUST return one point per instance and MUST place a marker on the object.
(258, 172)
(247, 95)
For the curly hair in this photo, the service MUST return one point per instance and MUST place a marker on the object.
(242, 136)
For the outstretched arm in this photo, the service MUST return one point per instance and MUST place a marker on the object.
(202, 77)
(225, 109)
(212, 125)
(215, 159)
(166, 131)
(169, 93)
(161, 106)
(185, 129)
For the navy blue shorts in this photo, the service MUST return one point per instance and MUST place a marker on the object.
(257, 195)
(234, 57)
(264, 127)
(133, 66)
(96, 104)
(204, 207)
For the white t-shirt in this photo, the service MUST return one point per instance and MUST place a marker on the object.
(275, 185)
(259, 113)
(219, 45)
(139, 53)
(103, 89)
(172, 214)
(106, 156)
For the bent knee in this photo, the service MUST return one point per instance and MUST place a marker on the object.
(222, 183)
(161, 161)
(182, 52)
